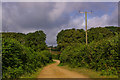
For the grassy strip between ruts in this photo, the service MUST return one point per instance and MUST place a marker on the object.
(36, 73)
(88, 72)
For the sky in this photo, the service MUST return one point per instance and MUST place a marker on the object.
(52, 17)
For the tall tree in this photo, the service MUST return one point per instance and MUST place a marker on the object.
(36, 40)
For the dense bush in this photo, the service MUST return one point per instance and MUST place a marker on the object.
(113, 29)
(18, 59)
(36, 40)
(73, 36)
(18, 36)
(0, 56)
(56, 56)
(69, 37)
(99, 33)
(101, 56)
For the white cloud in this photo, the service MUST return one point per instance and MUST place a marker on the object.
(57, 11)
(113, 18)
(53, 17)
(98, 21)
(105, 20)
(77, 22)
(51, 35)
(102, 21)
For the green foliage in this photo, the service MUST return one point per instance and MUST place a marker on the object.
(55, 56)
(18, 59)
(55, 49)
(1, 56)
(113, 29)
(22, 54)
(99, 33)
(70, 37)
(18, 36)
(100, 56)
(36, 40)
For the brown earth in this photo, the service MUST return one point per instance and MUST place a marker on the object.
(54, 71)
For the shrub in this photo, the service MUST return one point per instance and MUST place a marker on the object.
(101, 56)
(18, 59)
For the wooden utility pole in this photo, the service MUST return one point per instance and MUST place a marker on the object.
(86, 23)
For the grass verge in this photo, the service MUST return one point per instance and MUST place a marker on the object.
(88, 72)
(36, 73)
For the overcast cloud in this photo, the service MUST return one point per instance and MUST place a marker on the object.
(52, 17)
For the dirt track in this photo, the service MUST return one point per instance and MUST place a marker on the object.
(54, 71)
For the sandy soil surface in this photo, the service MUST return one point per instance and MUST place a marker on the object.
(54, 71)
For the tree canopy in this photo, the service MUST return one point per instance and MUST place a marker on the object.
(36, 40)
(77, 36)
